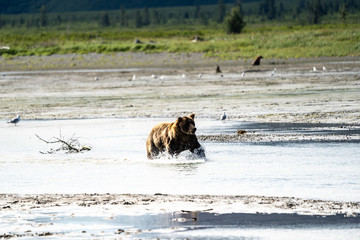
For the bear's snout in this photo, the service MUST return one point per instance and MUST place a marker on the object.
(193, 130)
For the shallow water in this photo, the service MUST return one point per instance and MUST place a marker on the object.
(118, 164)
(179, 225)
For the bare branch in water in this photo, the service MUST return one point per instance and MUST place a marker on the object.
(72, 145)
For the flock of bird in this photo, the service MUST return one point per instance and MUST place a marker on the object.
(153, 76)
(218, 70)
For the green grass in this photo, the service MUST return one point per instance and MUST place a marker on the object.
(270, 41)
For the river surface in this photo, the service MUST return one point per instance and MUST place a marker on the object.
(117, 162)
(328, 170)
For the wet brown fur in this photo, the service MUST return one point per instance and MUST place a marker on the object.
(172, 138)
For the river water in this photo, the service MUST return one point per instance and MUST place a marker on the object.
(117, 163)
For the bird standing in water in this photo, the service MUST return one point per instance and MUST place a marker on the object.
(223, 117)
(15, 120)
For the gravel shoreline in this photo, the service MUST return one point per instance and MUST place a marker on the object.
(158, 203)
(273, 138)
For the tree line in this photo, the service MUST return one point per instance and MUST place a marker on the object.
(265, 10)
(313, 9)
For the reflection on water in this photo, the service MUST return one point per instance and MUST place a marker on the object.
(118, 164)
(182, 225)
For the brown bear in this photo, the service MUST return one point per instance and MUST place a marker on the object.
(173, 138)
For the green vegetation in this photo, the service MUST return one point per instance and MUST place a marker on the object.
(287, 29)
(271, 42)
(234, 22)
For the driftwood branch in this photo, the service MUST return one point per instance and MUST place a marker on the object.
(72, 145)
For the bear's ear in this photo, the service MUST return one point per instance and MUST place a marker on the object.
(179, 119)
(192, 116)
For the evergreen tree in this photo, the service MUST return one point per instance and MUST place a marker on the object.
(123, 18)
(2, 23)
(155, 17)
(43, 16)
(234, 22)
(238, 3)
(146, 21)
(272, 10)
(22, 21)
(281, 9)
(315, 11)
(337, 6)
(58, 19)
(197, 12)
(330, 7)
(138, 19)
(263, 8)
(267, 8)
(300, 6)
(343, 12)
(222, 11)
(104, 20)
(186, 15)
(204, 19)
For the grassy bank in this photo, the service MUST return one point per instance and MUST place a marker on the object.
(269, 41)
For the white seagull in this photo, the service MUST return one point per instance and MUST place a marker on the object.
(324, 68)
(314, 69)
(134, 77)
(273, 72)
(223, 117)
(243, 74)
(15, 120)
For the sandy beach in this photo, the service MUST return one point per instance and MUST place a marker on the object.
(167, 86)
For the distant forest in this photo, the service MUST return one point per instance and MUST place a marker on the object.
(33, 6)
(141, 13)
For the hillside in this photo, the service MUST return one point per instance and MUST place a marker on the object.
(26, 6)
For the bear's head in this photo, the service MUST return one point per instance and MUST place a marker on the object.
(186, 124)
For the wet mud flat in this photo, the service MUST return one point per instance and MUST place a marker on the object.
(295, 93)
(274, 132)
(162, 215)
